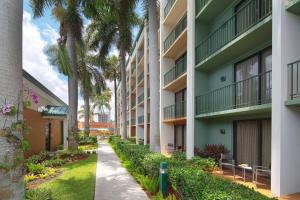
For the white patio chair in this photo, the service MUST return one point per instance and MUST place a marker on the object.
(227, 160)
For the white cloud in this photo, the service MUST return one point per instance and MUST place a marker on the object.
(35, 61)
(51, 34)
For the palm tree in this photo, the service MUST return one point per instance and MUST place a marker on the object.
(67, 12)
(91, 81)
(102, 102)
(82, 114)
(11, 179)
(112, 73)
(111, 24)
(91, 78)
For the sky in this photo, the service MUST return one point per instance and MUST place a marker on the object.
(39, 33)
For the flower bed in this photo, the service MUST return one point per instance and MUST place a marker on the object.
(189, 179)
(43, 167)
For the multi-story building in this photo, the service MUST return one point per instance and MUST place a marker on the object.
(229, 74)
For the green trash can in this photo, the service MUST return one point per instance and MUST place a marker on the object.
(163, 178)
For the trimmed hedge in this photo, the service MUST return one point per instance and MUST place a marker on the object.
(190, 178)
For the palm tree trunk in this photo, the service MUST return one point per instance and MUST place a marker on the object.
(116, 115)
(11, 179)
(73, 92)
(154, 78)
(86, 98)
(123, 94)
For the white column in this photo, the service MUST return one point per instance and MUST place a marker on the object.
(65, 131)
(190, 107)
(285, 120)
(146, 62)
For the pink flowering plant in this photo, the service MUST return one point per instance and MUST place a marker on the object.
(9, 109)
(30, 97)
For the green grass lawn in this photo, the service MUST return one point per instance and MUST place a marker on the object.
(77, 181)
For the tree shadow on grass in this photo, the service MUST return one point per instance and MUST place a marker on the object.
(77, 181)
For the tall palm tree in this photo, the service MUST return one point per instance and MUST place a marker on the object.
(112, 73)
(91, 78)
(92, 82)
(102, 102)
(82, 114)
(111, 24)
(67, 12)
(11, 180)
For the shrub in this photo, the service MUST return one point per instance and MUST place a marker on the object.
(192, 183)
(38, 158)
(67, 153)
(212, 151)
(207, 165)
(36, 168)
(149, 184)
(132, 140)
(53, 163)
(179, 155)
(151, 163)
(38, 194)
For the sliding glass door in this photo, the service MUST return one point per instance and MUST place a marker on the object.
(253, 142)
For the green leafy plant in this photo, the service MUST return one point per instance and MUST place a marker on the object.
(53, 163)
(25, 145)
(30, 177)
(36, 168)
(149, 184)
(38, 194)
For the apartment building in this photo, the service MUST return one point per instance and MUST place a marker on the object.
(229, 74)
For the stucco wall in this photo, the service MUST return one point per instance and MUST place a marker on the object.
(36, 132)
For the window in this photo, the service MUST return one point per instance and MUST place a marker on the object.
(253, 79)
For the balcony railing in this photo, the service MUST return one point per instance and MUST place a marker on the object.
(132, 86)
(176, 71)
(141, 77)
(133, 69)
(178, 110)
(140, 55)
(133, 104)
(168, 7)
(179, 28)
(253, 91)
(245, 18)
(200, 4)
(293, 78)
(141, 98)
(132, 121)
(141, 119)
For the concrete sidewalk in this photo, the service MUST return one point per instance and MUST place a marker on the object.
(113, 182)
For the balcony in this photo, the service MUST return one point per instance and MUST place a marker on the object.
(141, 99)
(176, 76)
(133, 121)
(246, 29)
(141, 78)
(148, 118)
(252, 95)
(133, 69)
(141, 120)
(293, 6)
(176, 40)
(175, 113)
(140, 56)
(133, 104)
(207, 10)
(173, 11)
(294, 84)
(133, 88)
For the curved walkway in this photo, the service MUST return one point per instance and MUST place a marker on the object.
(113, 182)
